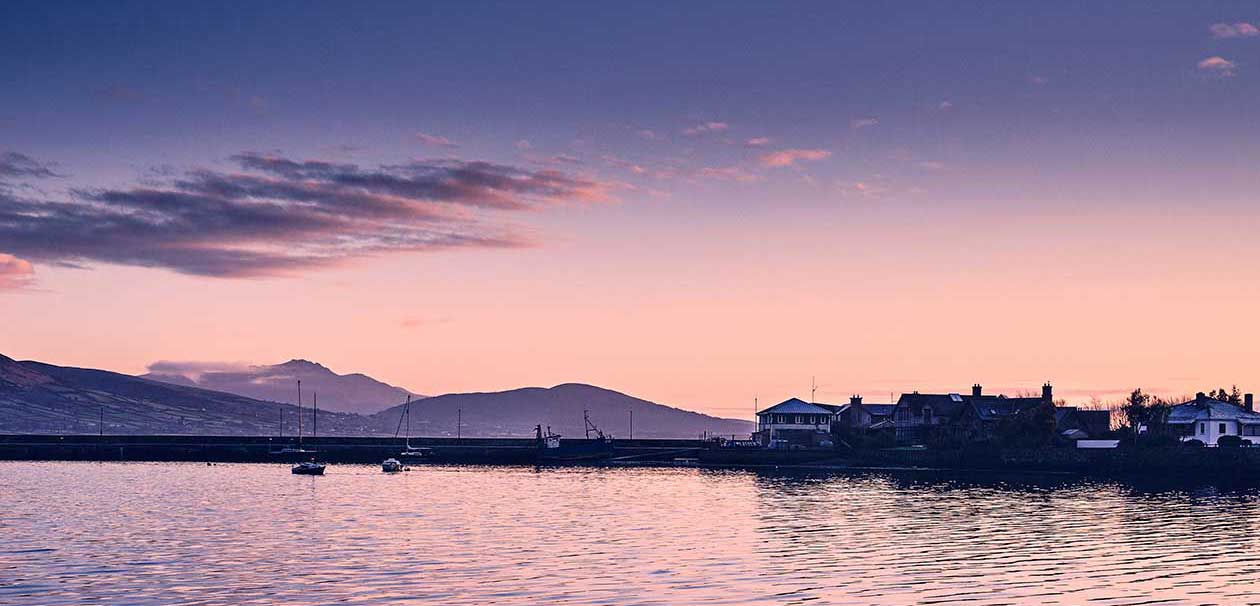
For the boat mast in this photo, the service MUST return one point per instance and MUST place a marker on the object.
(299, 413)
(407, 412)
(315, 415)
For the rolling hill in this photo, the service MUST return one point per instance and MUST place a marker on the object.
(516, 412)
(42, 398)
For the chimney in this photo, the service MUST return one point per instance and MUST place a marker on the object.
(1047, 392)
(857, 400)
(1200, 398)
(975, 390)
(1247, 403)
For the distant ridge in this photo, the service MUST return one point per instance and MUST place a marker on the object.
(355, 392)
(41, 398)
(515, 413)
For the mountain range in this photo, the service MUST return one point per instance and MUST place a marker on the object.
(357, 392)
(36, 397)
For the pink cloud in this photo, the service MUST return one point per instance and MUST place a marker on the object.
(788, 157)
(1218, 66)
(1237, 30)
(706, 127)
(729, 173)
(864, 122)
(758, 142)
(435, 140)
(15, 272)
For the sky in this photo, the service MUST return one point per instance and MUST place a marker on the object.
(703, 205)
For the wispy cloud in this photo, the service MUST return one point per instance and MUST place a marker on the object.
(435, 140)
(931, 165)
(1241, 29)
(524, 145)
(648, 135)
(275, 215)
(945, 105)
(788, 157)
(758, 142)
(1218, 66)
(706, 127)
(728, 173)
(15, 272)
(15, 165)
(863, 123)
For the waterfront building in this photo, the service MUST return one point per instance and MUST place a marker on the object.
(972, 416)
(797, 423)
(1208, 420)
(794, 423)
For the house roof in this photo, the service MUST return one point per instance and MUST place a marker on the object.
(1208, 409)
(879, 410)
(987, 408)
(992, 408)
(796, 406)
(943, 405)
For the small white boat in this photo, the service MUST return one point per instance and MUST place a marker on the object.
(392, 466)
(410, 453)
(309, 468)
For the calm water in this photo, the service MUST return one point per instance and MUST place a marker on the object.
(117, 533)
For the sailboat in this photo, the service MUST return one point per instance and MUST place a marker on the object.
(410, 453)
(305, 468)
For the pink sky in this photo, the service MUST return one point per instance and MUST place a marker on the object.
(692, 210)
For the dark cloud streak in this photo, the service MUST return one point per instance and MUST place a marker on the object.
(277, 215)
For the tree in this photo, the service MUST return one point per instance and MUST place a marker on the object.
(1135, 410)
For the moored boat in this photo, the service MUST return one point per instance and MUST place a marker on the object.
(392, 466)
(309, 468)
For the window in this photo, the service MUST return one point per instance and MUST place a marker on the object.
(1202, 428)
(1251, 430)
(927, 414)
(1224, 430)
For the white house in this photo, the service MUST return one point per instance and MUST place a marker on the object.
(1207, 420)
(794, 422)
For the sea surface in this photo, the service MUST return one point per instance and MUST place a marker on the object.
(181, 533)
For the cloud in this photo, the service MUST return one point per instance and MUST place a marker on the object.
(1036, 80)
(788, 157)
(727, 173)
(1236, 30)
(194, 370)
(274, 215)
(15, 165)
(1218, 66)
(758, 142)
(932, 165)
(15, 272)
(706, 127)
(648, 135)
(435, 140)
(945, 106)
(864, 122)
(524, 145)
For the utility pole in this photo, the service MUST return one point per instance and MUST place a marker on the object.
(459, 423)
(315, 416)
(631, 424)
(100, 426)
(813, 387)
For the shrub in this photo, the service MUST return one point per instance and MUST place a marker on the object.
(1193, 444)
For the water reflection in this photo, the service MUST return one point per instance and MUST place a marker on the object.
(171, 533)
